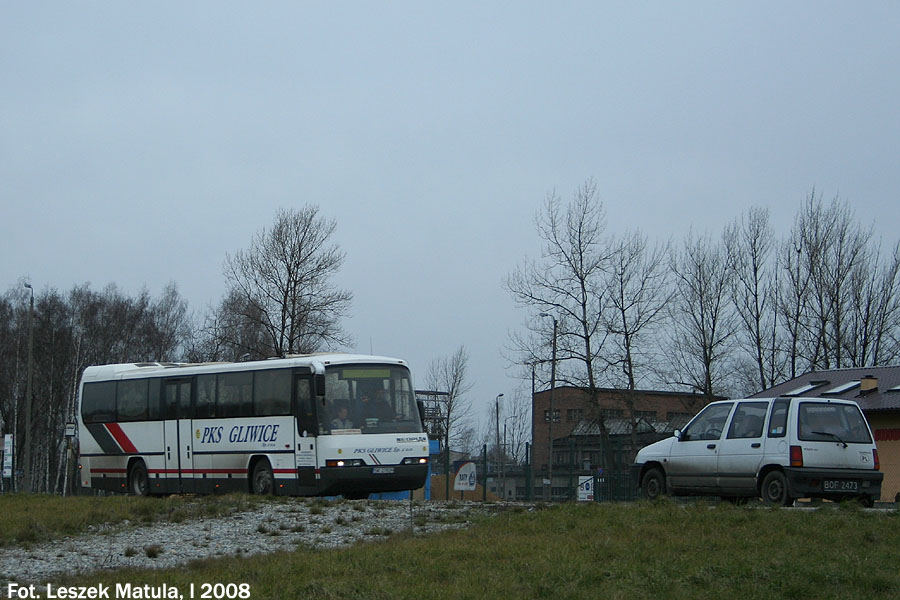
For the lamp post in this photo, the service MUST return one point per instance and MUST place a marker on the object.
(505, 446)
(550, 420)
(26, 442)
(497, 409)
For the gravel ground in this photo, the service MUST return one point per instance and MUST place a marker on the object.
(269, 528)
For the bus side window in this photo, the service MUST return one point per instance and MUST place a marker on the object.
(235, 395)
(306, 410)
(170, 407)
(155, 404)
(131, 400)
(272, 392)
(98, 402)
(206, 396)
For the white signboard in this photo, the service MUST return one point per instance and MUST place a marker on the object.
(7, 455)
(465, 478)
(585, 488)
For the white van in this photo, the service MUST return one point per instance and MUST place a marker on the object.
(779, 449)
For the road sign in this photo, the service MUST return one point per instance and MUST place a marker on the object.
(8, 455)
(465, 478)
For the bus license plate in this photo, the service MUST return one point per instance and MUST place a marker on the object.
(382, 470)
(840, 485)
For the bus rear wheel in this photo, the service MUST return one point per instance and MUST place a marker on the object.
(262, 481)
(138, 481)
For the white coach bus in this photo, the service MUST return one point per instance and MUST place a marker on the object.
(324, 424)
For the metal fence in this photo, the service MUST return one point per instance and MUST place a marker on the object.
(615, 486)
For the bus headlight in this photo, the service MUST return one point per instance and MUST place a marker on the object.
(345, 462)
(415, 461)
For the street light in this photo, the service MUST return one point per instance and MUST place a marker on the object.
(26, 443)
(550, 420)
(506, 449)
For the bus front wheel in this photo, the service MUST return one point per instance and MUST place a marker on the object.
(138, 482)
(262, 481)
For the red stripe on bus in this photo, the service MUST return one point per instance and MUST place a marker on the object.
(194, 471)
(121, 438)
(214, 471)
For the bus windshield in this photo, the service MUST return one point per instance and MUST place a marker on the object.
(368, 399)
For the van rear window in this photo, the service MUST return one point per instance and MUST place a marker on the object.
(829, 422)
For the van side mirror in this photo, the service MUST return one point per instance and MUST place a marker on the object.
(319, 384)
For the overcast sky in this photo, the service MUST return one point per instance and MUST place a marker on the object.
(140, 143)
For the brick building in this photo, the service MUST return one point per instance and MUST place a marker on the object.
(631, 419)
(877, 391)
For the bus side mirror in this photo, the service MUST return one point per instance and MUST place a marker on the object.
(421, 406)
(319, 384)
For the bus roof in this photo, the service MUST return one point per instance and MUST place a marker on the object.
(150, 369)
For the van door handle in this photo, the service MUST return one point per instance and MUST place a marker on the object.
(711, 446)
(755, 445)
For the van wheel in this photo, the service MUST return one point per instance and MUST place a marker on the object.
(653, 484)
(774, 490)
(138, 482)
(261, 480)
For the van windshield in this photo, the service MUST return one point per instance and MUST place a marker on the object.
(829, 422)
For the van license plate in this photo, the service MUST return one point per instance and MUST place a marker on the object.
(382, 470)
(840, 485)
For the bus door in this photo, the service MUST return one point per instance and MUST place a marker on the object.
(178, 439)
(307, 429)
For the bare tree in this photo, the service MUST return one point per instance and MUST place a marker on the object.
(167, 328)
(449, 374)
(703, 321)
(281, 286)
(875, 311)
(832, 249)
(792, 298)
(638, 292)
(569, 283)
(750, 242)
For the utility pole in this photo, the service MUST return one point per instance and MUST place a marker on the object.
(550, 422)
(26, 442)
(499, 473)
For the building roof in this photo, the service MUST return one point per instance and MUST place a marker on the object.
(623, 391)
(589, 427)
(848, 384)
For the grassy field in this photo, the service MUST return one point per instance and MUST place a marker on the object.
(38, 518)
(660, 550)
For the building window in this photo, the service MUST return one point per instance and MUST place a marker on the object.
(574, 415)
(647, 415)
(612, 413)
(555, 416)
(671, 416)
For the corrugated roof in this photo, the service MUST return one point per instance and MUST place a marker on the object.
(845, 383)
(623, 426)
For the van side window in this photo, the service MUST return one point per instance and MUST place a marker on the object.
(778, 420)
(708, 425)
(748, 420)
